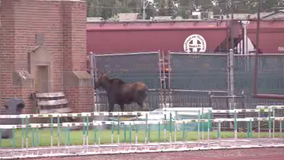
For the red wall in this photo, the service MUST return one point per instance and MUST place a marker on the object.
(63, 24)
(123, 37)
(271, 35)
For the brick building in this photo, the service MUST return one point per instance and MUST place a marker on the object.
(43, 48)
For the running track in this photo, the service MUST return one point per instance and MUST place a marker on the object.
(236, 154)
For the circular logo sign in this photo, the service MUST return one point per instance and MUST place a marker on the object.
(194, 43)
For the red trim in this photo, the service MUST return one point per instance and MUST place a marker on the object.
(269, 96)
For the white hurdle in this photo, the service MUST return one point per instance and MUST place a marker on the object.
(169, 124)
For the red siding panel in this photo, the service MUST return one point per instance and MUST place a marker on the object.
(123, 37)
(271, 35)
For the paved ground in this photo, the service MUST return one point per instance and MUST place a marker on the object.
(237, 154)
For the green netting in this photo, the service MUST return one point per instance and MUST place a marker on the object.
(270, 74)
(202, 72)
(209, 72)
(132, 67)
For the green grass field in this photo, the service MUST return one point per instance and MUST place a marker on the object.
(76, 137)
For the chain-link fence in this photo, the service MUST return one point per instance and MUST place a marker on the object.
(195, 80)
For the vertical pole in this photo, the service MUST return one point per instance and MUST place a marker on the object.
(273, 123)
(95, 68)
(160, 69)
(13, 141)
(87, 137)
(95, 134)
(231, 57)
(219, 130)
(124, 134)
(58, 132)
(269, 123)
(65, 136)
(232, 24)
(183, 131)
(243, 37)
(198, 126)
(236, 125)
(169, 80)
(149, 133)
(146, 129)
(51, 133)
(256, 46)
(130, 130)
(84, 130)
(208, 127)
(92, 67)
(33, 137)
(250, 128)
(1, 138)
(99, 138)
(280, 129)
(112, 129)
(176, 118)
(144, 6)
(164, 71)
(136, 131)
(14, 136)
(165, 130)
(170, 127)
(37, 139)
(27, 134)
(231, 99)
(136, 134)
(159, 132)
(118, 131)
(258, 123)
(202, 124)
(23, 133)
(68, 138)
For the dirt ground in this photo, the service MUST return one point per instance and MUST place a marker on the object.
(236, 154)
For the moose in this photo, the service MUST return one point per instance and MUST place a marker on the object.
(120, 92)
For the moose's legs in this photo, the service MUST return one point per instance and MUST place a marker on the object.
(142, 105)
(111, 106)
(121, 107)
(111, 102)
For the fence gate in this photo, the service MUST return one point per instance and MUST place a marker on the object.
(130, 67)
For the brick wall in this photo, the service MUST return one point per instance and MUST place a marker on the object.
(63, 24)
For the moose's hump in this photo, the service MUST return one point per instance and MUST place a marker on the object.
(117, 81)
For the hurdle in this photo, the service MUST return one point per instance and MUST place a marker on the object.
(172, 140)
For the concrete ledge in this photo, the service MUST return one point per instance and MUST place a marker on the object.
(77, 79)
(22, 79)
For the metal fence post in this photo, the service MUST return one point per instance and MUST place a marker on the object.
(231, 78)
(231, 82)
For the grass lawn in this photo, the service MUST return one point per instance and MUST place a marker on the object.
(76, 137)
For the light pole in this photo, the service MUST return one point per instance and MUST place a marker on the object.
(145, 3)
